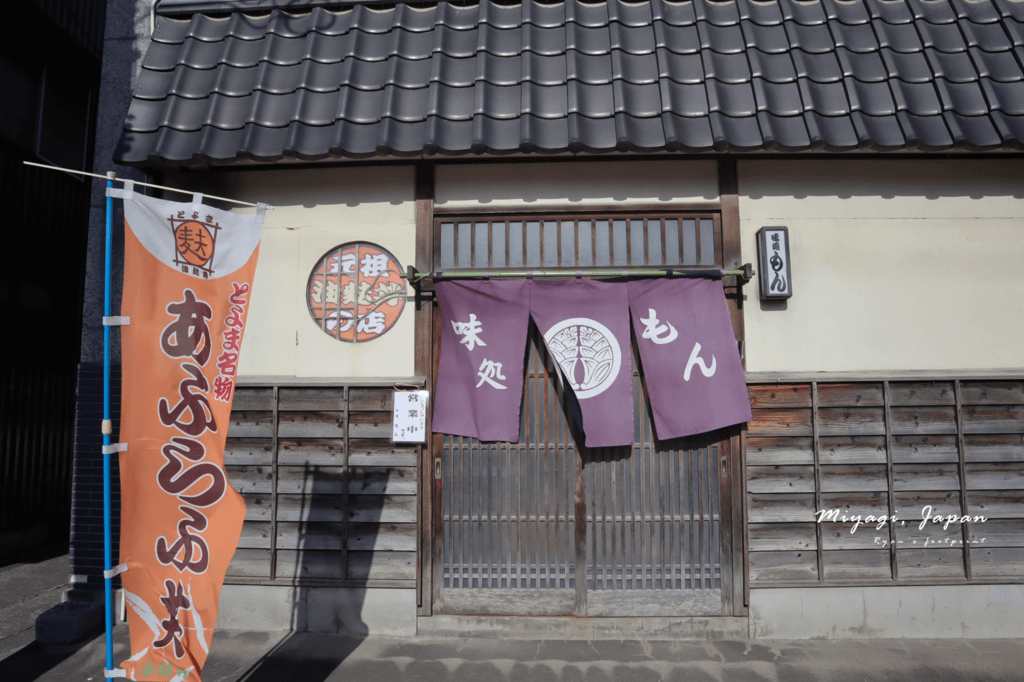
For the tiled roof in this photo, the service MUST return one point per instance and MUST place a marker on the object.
(573, 77)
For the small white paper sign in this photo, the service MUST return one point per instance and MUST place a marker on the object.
(409, 420)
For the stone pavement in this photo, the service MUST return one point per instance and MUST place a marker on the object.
(307, 657)
(29, 588)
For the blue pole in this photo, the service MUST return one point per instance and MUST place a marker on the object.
(107, 582)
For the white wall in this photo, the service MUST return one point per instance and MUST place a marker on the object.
(572, 182)
(316, 210)
(896, 264)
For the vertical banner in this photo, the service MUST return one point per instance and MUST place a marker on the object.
(585, 325)
(692, 367)
(187, 287)
(480, 374)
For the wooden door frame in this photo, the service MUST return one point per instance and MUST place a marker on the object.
(738, 599)
(427, 326)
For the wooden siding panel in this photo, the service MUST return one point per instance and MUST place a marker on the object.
(851, 421)
(770, 537)
(370, 425)
(922, 449)
(851, 450)
(998, 533)
(779, 395)
(852, 503)
(994, 419)
(255, 535)
(250, 563)
(842, 536)
(921, 393)
(250, 479)
(923, 420)
(311, 425)
(850, 395)
(251, 425)
(992, 392)
(311, 399)
(780, 508)
(857, 564)
(783, 566)
(382, 565)
(252, 399)
(997, 562)
(370, 399)
(325, 452)
(788, 422)
(930, 563)
(910, 504)
(248, 451)
(257, 506)
(995, 476)
(996, 505)
(994, 448)
(780, 479)
(311, 480)
(771, 451)
(926, 477)
(839, 478)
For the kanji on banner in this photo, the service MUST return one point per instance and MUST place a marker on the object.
(480, 375)
(585, 325)
(187, 288)
(692, 367)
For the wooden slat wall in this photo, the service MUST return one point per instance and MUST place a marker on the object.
(885, 448)
(330, 499)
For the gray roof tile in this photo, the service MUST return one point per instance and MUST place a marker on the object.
(760, 13)
(849, 13)
(867, 66)
(577, 76)
(956, 67)
(856, 38)
(771, 39)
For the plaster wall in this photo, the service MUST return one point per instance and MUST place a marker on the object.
(522, 185)
(315, 211)
(950, 611)
(896, 264)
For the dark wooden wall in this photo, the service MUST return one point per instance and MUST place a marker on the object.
(884, 448)
(331, 500)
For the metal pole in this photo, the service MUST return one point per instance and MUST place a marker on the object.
(569, 274)
(107, 429)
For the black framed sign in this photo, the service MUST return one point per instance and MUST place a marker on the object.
(773, 258)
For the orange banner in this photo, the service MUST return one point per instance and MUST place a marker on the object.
(187, 287)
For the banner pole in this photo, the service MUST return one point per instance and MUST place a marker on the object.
(107, 429)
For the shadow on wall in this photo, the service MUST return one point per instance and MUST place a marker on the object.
(314, 536)
(930, 179)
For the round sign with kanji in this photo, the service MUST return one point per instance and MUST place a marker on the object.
(356, 292)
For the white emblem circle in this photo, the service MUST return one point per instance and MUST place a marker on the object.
(567, 363)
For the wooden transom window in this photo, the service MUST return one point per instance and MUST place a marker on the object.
(578, 241)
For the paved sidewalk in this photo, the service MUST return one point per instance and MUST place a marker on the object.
(307, 657)
(29, 588)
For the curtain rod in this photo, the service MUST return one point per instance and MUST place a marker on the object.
(111, 176)
(745, 274)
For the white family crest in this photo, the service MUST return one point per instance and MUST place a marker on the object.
(470, 331)
(656, 333)
(581, 341)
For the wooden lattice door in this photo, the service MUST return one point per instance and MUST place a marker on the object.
(548, 527)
